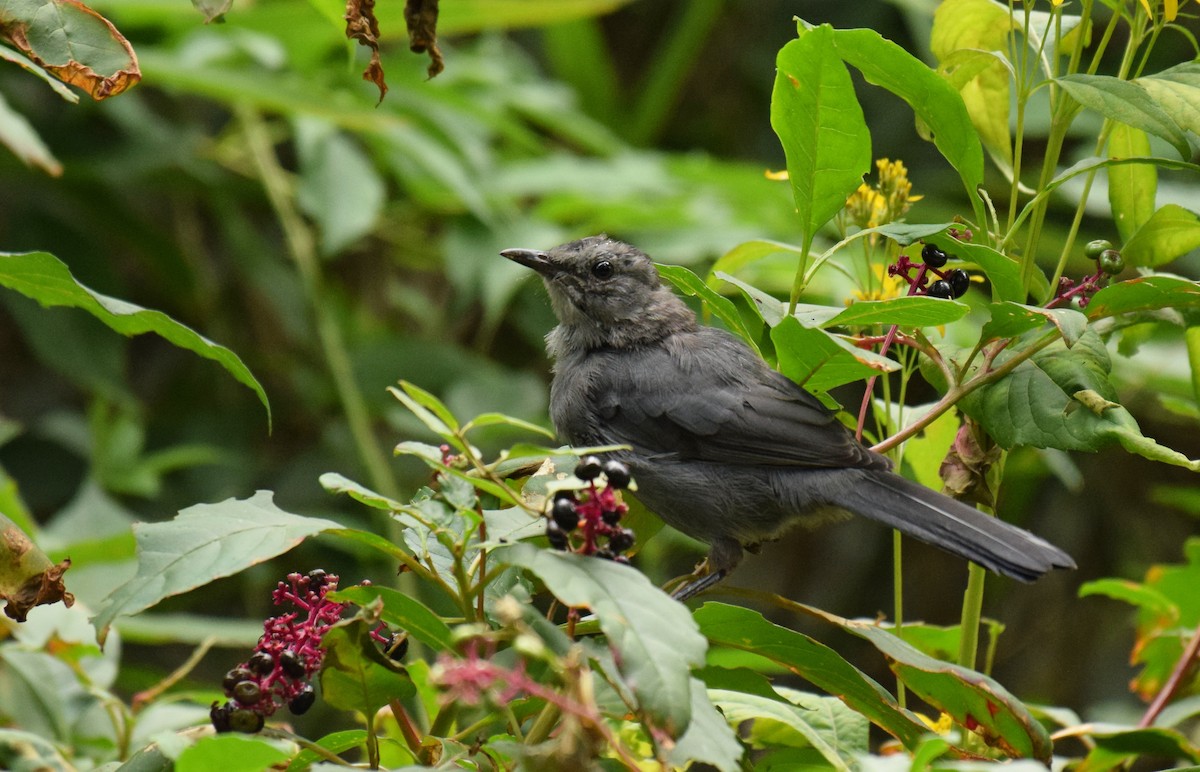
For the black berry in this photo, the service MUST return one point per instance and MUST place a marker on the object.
(564, 496)
(605, 554)
(940, 289)
(219, 714)
(262, 663)
(235, 677)
(621, 540)
(397, 647)
(246, 721)
(291, 663)
(959, 281)
(316, 578)
(932, 256)
(617, 474)
(1111, 262)
(247, 692)
(303, 701)
(564, 514)
(611, 516)
(588, 468)
(556, 536)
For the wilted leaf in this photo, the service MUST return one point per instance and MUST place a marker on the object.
(357, 674)
(361, 25)
(43, 277)
(656, 641)
(27, 577)
(421, 16)
(72, 42)
(206, 542)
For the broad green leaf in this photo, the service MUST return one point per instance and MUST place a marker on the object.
(655, 639)
(402, 613)
(337, 742)
(1145, 293)
(1128, 103)
(1132, 187)
(746, 253)
(820, 124)
(357, 674)
(741, 628)
(769, 308)
(819, 361)
(809, 722)
(1169, 233)
(1177, 91)
(935, 101)
(1063, 398)
(430, 402)
(22, 139)
(1118, 746)
(978, 27)
(1010, 320)
(913, 311)
(336, 483)
(73, 43)
(1140, 595)
(690, 284)
(500, 419)
(338, 186)
(1192, 338)
(26, 64)
(431, 420)
(229, 753)
(46, 279)
(206, 542)
(973, 699)
(709, 738)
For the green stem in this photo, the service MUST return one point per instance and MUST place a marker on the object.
(545, 722)
(302, 249)
(972, 611)
(898, 600)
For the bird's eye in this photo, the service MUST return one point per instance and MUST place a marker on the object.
(602, 269)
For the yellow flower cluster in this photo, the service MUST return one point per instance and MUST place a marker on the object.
(884, 202)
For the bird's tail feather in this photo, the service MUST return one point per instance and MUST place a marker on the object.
(951, 525)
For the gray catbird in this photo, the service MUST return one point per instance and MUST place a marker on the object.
(724, 448)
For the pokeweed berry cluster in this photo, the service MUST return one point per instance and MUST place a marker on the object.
(953, 283)
(594, 512)
(1109, 263)
(287, 656)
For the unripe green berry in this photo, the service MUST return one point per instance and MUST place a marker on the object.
(1094, 249)
(1111, 262)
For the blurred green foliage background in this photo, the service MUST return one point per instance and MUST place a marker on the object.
(251, 188)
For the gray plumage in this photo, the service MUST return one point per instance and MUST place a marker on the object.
(724, 448)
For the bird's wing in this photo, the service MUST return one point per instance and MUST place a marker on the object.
(706, 396)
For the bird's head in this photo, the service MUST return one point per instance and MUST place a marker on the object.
(606, 293)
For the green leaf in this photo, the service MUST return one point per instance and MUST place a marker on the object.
(1116, 746)
(402, 612)
(709, 739)
(935, 101)
(1128, 103)
(741, 628)
(656, 641)
(911, 311)
(1171, 232)
(973, 699)
(337, 742)
(338, 186)
(1002, 271)
(46, 279)
(812, 722)
(1139, 595)
(977, 28)
(1010, 320)
(26, 64)
(1192, 338)
(1062, 398)
(1177, 91)
(746, 253)
(769, 308)
(1145, 293)
(690, 284)
(819, 361)
(499, 419)
(229, 753)
(206, 542)
(73, 43)
(336, 483)
(22, 139)
(357, 675)
(1132, 187)
(820, 124)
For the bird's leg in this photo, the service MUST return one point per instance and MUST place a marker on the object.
(722, 559)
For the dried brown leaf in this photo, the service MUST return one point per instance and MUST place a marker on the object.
(361, 25)
(421, 16)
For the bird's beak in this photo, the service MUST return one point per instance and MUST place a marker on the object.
(532, 258)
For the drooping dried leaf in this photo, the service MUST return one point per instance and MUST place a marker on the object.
(361, 25)
(27, 577)
(421, 17)
(71, 42)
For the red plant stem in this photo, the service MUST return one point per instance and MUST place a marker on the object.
(887, 343)
(1171, 687)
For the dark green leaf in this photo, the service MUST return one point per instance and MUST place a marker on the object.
(203, 543)
(338, 187)
(402, 613)
(337, 742)
(820, 124)
(1128, 103)
(1010, 320)
(690, 284)
(819, 361)
(815, 723)
(336, 483)
(1116, 746)
(1145, 293)
(709, 739)
(231, 752)
(655, 638)
(43, 277)
(1140, 595)
(357, 675)
(741, 628)
(909, 311)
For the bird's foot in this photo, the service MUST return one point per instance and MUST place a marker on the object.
(698, 583)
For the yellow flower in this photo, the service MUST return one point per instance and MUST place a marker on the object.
(866, 207)
(883, 287)
(884, 202)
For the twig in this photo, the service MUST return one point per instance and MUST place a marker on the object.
(1171, 687)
